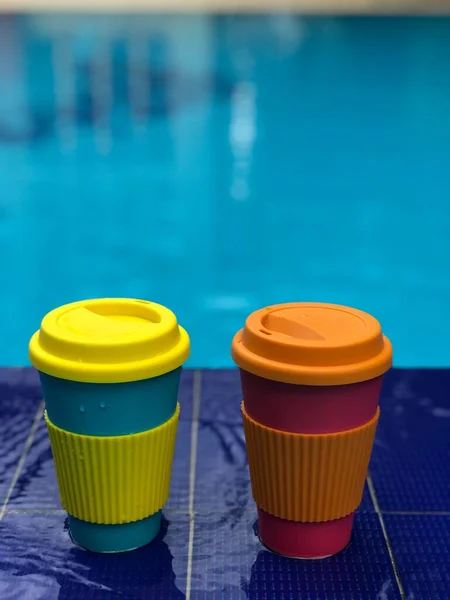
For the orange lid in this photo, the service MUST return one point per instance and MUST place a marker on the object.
(312, 344)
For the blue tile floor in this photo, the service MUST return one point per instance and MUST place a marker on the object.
(208, 548)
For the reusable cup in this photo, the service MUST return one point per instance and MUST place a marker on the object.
(110, 370)
(311, 378)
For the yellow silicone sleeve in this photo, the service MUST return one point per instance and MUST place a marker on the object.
(114, 479)
(308, 477)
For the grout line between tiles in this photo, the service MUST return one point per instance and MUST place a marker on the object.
(61, 511)
(23, 456)
(35, 511)
(197, 383)
(418, 513)
(220, 510)
(386, 537)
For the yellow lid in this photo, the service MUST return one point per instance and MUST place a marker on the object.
(109, 340)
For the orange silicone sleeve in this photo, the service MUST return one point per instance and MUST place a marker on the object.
(306, 477)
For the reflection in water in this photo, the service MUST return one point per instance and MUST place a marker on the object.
(225, 475)
(225, 551)
(45, 565)
(14, 117)
(341, 577)
(105, 81)
(143, 573)
(231, 563)
(242, 137)
(240, 159)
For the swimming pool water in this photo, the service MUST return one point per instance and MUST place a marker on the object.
(218, 164)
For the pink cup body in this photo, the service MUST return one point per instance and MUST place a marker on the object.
(308, 410)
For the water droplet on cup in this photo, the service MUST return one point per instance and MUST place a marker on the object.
(102, 405)
(82, 409)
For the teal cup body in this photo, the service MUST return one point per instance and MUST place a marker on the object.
(111, 409)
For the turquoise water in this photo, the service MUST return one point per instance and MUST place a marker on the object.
(218, 164)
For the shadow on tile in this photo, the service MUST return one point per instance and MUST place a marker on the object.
(230, 562)
(410, 466)
(38, 561)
